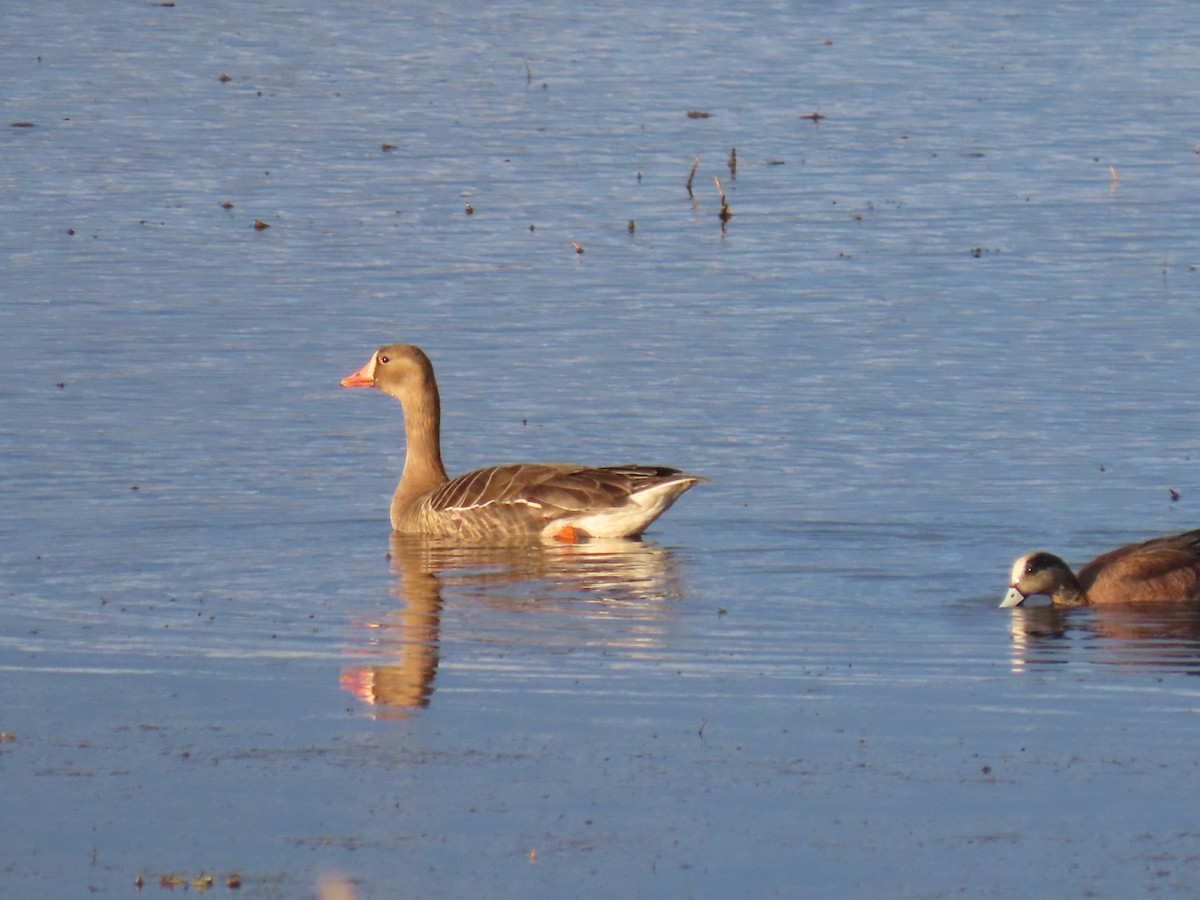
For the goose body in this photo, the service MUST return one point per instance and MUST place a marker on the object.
(547, 500)
(1162, 569)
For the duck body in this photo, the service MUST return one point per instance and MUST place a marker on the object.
(517, 501)
(1163, 569)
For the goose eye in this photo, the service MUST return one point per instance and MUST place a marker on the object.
(384, 360)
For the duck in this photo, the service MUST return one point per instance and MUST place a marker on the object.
(551, 501)
(1160, 569)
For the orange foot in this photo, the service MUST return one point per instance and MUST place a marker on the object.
(567, 534)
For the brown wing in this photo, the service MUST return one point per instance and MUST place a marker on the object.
(525, 497)
(556, 487)
(496, 486)
(588, 489)
(1161, 569)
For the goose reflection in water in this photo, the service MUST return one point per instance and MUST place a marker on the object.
(1160, 636)
(576, 590)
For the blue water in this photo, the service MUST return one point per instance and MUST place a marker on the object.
(949, 321)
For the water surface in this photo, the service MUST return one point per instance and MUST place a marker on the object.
(950, 321)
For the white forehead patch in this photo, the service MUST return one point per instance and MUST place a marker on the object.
(1018, 569)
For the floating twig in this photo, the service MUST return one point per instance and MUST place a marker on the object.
(691, 175)
(725, 214)
(733, 163)
(698, 114)
(578, 249)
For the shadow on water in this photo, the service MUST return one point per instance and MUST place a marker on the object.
(529, 592)
(1160, 637)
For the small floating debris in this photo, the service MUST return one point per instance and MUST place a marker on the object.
(1175, 495)
(201, 882)
(813, 116)
(725, 214)
(226, 204)
(691, 175)
(260, 225)
(23, 124)
(732, 163)
(223, 78)
(632, 226)
(578, 249)
(385, 146)
(698, 114)
(469, 210)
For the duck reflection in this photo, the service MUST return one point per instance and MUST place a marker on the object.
(1160, 636)
(592, 580)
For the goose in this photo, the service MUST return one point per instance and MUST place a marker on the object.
(1161, 569)
(552, 501)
